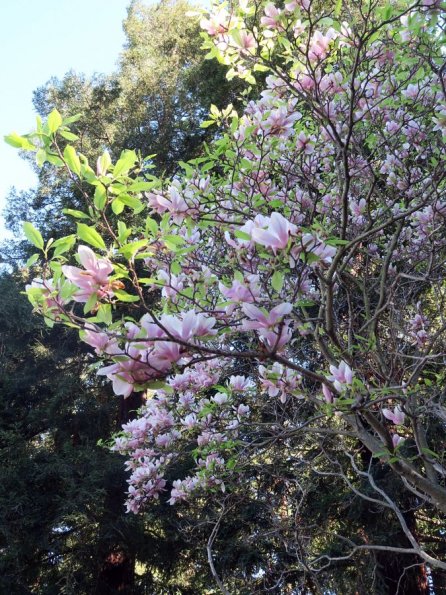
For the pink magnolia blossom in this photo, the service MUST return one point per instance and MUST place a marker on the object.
(50, 293)
(246, 41)
(240, 383)
(178, 492)
(275, 340)
(279, 381)
(220, 398)
(411, 92)
(396, 416)
(260, 320)
(95, 277)
(173, 284)
(331, 83)
(358, 208)
(272, 17)
(305, 82)
(164, 354)
(418, 325)
(341, 376)
(305, 143)
(174, 203)
(291, 6)
(218, 22)
(431, 3)
(328, 395)
(280, 122)
(139, 365)
(278, 232)
(186, 328)
(243, 410)
(102, 342)
(440, 121)
(313, 244)
(190, 421)
(240, 293)
(397, 440)
(319, 44)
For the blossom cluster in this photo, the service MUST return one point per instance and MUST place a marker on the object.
(299, 249)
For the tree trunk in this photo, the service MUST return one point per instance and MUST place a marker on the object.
(117, 574)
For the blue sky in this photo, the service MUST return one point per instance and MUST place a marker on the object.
(42, 39)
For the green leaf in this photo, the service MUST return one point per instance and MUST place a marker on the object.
(277, 281)
(19, 142)
(337, 242)
(338, 8)
(380, 453)
(177, 240)
(63, 244)
(100, 197)
(430, 453)
(104, 163)
(386, 12)
(41, 157)
(132, 202)
(260, 68)
(308, 257)
(152, 226)
(124, 163)
(34, 295)
(123, 296)
(117, 206)
(172, 247)
(54, 121)
(150, 281)
(75, 213)
(90, 235)
(104, 314)
(72, 159)
(187, 168)
(129, 250)
(54, 159)
(305, 303)
(32, 259)
(141, 186)
(33, 235)
(207, 123)
(207, 166)
(175, 267)
(91, 303)
(72, 119)
(68, 135)
(157, 384)
(123, 231)
(173, 242)
(242, 235)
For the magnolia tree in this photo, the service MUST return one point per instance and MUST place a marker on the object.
(289, 282)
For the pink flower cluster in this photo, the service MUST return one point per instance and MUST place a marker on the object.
(153, 440)
(94, 278)
(280, 381)
(273, 330)
(150, 348)
(341, 376)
